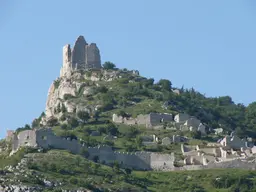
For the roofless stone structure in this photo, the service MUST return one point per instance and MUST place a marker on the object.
(83, 56)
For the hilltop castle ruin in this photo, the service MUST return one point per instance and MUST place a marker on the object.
(82, 56)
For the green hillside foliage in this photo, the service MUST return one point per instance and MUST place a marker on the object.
(132, 95)
(74, 172)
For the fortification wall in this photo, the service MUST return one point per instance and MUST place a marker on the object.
(105, 154)
(143, 120)
(45, 138)
(237, 163)
(24, 138)
(137, 160)
(161, 161)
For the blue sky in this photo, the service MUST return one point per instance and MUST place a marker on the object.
(208, 45)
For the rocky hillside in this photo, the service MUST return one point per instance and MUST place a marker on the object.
(81, 105)
(59, 171)
(79, 92)
(104, 92)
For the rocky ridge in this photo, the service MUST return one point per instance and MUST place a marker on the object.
(78, 84)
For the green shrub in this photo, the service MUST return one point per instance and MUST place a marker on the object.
(109, 65)
(56, 83)
(67, 97)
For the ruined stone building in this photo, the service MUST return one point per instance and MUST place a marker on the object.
(233, 142)
(152, 120)
(82, 56)
(181, 121)
(44, 138)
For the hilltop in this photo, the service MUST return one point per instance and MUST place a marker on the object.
(106, 128)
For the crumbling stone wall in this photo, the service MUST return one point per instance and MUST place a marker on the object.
(233, 142)
(237, 163)
(81, 57)
(143, 120)
(139, 160)
(181, 117)
(152, 120)
(79, 53)
(92, 57)
(45, 138)
(161, 161)
(24, 138)
(159, 118)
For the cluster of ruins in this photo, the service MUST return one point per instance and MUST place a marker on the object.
(230, 151)
(181, 121)
(227, 149)
(222, 154)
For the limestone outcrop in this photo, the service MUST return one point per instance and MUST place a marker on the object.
(82, 57)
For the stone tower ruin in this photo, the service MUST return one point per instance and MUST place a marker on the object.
(83, 56)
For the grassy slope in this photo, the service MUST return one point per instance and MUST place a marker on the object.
(74, 171)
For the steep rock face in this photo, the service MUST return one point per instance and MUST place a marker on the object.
(65, 91)
(80, 73)
(56, 95)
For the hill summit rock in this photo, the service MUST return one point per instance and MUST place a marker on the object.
(80, 72)
(103, 124)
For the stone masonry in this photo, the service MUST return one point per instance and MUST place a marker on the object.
(83, 56)
(195, 157)
(152, 120)
(45, 138)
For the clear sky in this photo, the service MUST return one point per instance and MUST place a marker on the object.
(209, 45)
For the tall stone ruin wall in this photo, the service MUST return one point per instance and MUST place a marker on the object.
(24, 138)
(82, 56)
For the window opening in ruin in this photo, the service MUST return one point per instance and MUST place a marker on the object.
(27, 137)
(44, 137)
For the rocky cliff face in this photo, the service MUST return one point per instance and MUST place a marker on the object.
(64, 92)
(80, 74)
(15, 178)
